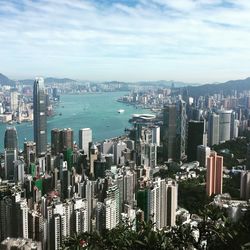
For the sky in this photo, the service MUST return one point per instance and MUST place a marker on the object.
(198, 41)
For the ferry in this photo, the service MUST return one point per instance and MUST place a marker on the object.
(120, 111)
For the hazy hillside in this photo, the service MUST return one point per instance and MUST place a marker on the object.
(5, 80)
(225, 88)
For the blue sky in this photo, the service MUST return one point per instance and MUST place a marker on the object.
(183, 40)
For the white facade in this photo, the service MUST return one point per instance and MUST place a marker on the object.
(118, 148)
(110, 207)
(163, 203)
(85, 137)
(156, 136)
(224, 125)
(14, 100)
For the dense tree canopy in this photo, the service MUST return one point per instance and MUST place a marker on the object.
(213, 231)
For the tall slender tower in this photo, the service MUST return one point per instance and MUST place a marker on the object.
(214, 174)
(40, 118)
(196, 137)
(174, 131)
(85, 137)
(169, 133)
(10, 152)
(181, 120)
(224, 125)
(213, 129)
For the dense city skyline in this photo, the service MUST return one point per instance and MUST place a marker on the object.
(190, 152)
(123, 145)
(192, 41)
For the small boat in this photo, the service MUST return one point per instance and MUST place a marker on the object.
(120, 111)
(60, 113)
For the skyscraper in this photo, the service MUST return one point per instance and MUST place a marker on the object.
(245, 185)
(55, 141)
(224, 125)
(10, 152)
(214, 174)
(10, 138)
(196, 137)
(174, 131)
(67, 139)
(40, 118)
(112, 207)
(181, 129)
(234, 127)
(213, 129)
(202, 153)
(29, 152)
(163, 202)
(61, 140)
(85, 137)
(14, 100)
(169, 133)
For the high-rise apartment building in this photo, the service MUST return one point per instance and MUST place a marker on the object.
(40, 117)
(112, 207)
(85, 138)
(163, 203)
(214, 177)
(14, 100)
(80, 215)
(172, 201)
(100, 214)
(36, 226)
(13, 216)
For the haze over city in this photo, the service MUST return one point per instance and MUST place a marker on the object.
(193, 41)
(110, 136)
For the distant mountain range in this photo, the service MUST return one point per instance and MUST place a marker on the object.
(48, 80)
(192, 89)
(4, 80)
(225, 88)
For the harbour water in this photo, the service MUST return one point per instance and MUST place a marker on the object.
(97, 111)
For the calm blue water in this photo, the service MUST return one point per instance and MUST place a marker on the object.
(97, 111)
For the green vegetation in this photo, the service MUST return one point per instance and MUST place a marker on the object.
(215, 231)
(232, 151)
(168, 172)
(231, 185)
(192, 195)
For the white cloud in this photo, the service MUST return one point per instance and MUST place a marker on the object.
(155, 39)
